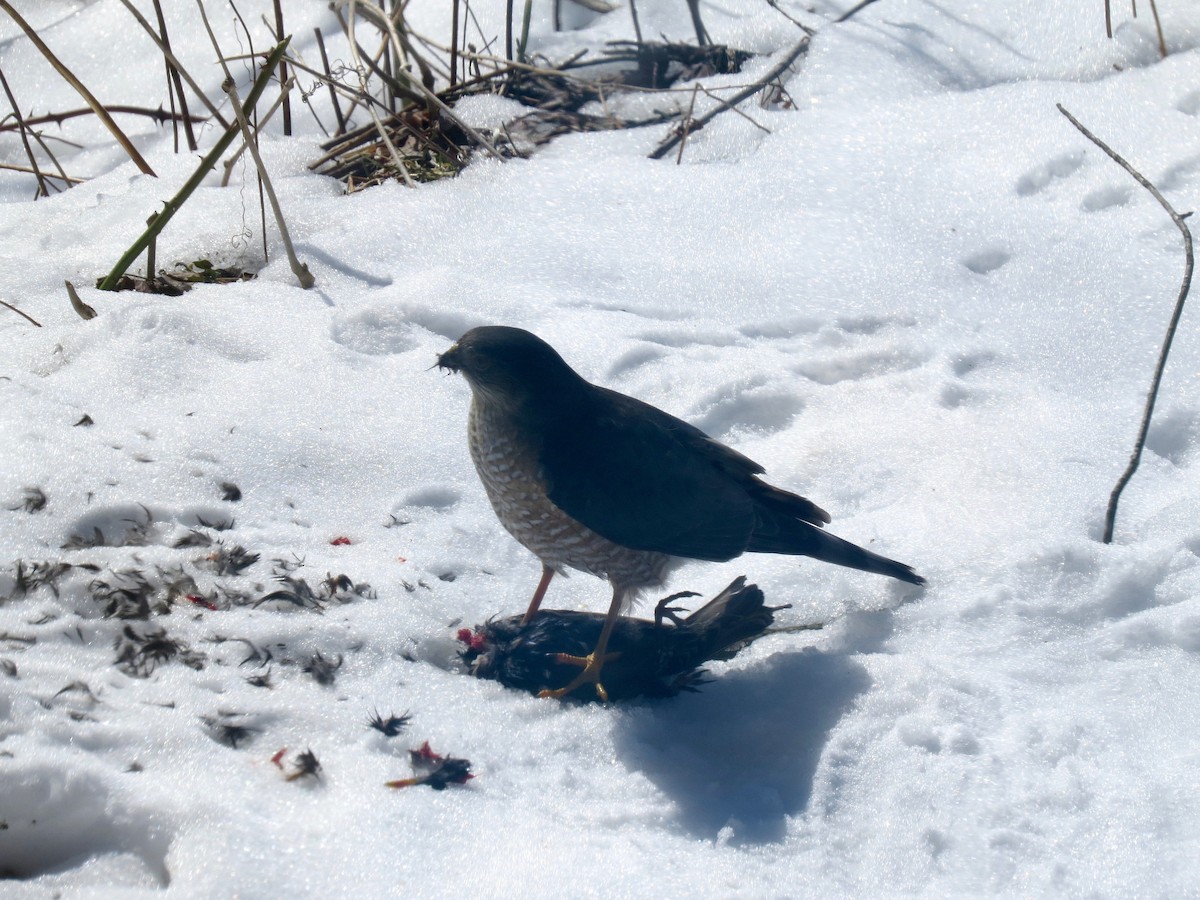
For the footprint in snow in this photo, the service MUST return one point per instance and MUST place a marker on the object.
(989, 259)
(1041, 177)
(1106, 198)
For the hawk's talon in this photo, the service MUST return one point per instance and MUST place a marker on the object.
(662, 611)
(590, 675)
(569, 659)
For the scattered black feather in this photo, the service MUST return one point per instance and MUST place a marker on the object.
(224, 729)
(391, 726)
(8, 667)
(124, 595)
(84, 421)
(295, 590)
(230, 491)
(33, 500)
(322, 669)
(305, 765)
(194, 538)
(139, 653)
(649, 659)
(28, 577)
(262, 679)
(218, 525)
(435, 770)
(230, 560)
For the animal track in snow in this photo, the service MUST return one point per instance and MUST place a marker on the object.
(682, 339)
(1189, 103)
(870, 364)
(77, 827)
(1041, 177)
(750, 406)
(1106, 198)
(987, 260)
(1175, 435)
(1179, 175)
(376, 331)
(433, 497)
(966, 363)
(635, 359)
(783, 328)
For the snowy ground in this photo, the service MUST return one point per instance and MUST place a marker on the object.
(922, 300)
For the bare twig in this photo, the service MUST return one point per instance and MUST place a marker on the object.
(19, 313)
(283, 75)
(337, 109)
(210, 159)
(262, 120)
(1189, 263)
(69, 179)
(229, 86)
(175, 82)
(69, 77)
(159, 115)
(508, 30)
(166, 51)
(854, 10)
(454, 42)
(687, 124)
(383, 133)
(776, 71)
(43, 188)
(1108, 18)
(1162, 42)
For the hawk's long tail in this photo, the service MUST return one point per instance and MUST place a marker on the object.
(802, 539)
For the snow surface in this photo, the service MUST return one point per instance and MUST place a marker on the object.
(922, 299)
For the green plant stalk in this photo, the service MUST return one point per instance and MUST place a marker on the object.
(207, 164)
(524, 30)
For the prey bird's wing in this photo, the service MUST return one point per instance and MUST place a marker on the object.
(646, 480)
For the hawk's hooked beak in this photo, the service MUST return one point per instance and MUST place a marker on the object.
(450, 359)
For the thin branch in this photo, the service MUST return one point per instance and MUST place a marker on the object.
(230, 87)
(283, 75)
(1162, 42)
(1189, 263)
(43, 187)
(776, 71)
(337, 109)
(166, 51)
(854, 10)
(69, 179)
(159, 115)
(454, 41)
(69, 77)
(687, 124)
(19, 313)
(176, 82)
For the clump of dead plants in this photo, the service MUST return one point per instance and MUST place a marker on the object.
(388, 99)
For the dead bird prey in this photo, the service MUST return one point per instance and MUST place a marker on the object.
(589, 479)
(646, 659)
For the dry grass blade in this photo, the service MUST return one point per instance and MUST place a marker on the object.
(69, 76)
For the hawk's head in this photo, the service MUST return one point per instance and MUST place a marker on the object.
(511, 366)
